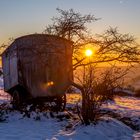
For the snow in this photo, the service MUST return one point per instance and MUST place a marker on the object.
(126, 106)
(129, 109)
(52, 129)
(100, 131)
(22, 128)
(27, 129)
(47, 128)
(4, 97)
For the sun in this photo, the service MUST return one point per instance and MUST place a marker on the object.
(88, 52)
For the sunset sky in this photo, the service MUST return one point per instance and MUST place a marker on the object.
(21, 17)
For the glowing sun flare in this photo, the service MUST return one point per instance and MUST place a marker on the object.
(88, 52)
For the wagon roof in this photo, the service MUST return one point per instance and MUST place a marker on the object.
(42, 35)
(36, 36)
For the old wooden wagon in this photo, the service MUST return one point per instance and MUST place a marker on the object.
(38, 66)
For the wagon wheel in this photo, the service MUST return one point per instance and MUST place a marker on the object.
(16, 99)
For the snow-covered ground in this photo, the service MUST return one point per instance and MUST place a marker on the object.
(47, 128)
(128, 109)
(125, 106)
(17, 127)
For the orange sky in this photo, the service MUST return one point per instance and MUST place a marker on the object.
(20, 17)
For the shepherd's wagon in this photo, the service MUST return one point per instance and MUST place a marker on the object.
(38, 66)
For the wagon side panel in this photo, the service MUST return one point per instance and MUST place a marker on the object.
(6, 71)
(60, 66)
(30, 71)
(9, 64)
(13, 69)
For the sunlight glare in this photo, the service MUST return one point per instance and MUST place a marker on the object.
(88, 52)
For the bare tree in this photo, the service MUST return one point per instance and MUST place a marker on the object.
(69, 25)
(4, 46)
(97, 89)
(111, 46)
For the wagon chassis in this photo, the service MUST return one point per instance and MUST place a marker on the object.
(54, 103)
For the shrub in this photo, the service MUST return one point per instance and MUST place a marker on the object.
(95, 91)
(137, 93)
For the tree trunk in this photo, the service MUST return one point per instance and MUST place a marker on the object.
(87, 113)
(85, 109)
